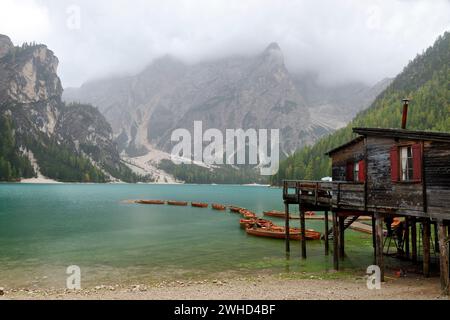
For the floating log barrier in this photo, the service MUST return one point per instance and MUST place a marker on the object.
(219, 207)
(150, 202)
(199, 205)
(177, 203)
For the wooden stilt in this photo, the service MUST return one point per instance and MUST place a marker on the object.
(303, 228)
(426, 248)
(413, 239)
(407, 225)
(374, 242)
(335, 242)
(288, 245)
(443, 243)
(341, 238)
(327, 243)
(436, 238)
(379, 243)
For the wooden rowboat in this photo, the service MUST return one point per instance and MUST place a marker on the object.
(177, 203)
(279, 214)
(249, 215)
(279, 233)
(150, 202)
(219, 207)
(260, 223)
(199, 205)
(235, 209)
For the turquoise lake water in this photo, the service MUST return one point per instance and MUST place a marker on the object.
(46, 228)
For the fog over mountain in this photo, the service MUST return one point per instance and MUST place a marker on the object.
(341, 41)
(233, 92)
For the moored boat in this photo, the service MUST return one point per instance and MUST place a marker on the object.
(150, 201)
(199, 205)
(177, 203)
(260, 223)
(235, 209)
(219, 207)
(247, 214)
(279, 214)
(276, 232)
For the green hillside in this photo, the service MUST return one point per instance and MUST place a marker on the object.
(425, 81)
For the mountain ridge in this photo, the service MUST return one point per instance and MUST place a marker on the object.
(43, 136)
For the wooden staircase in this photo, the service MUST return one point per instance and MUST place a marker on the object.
(348, 222)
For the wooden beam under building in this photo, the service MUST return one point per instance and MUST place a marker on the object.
(379, 219)
(335, 241)
(407, 225)
(443, 249)
(288, 245)
(426, 247)
(413, 239)
(327, 242)
(303, 231)
(341, 237)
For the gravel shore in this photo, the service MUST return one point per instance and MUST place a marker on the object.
(265, 287)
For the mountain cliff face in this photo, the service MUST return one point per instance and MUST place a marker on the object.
(69, 143)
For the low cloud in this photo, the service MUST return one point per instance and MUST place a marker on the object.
(342, 41)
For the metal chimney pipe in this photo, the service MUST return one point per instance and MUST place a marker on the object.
(405, 113)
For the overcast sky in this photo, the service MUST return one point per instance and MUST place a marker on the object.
(341, 40)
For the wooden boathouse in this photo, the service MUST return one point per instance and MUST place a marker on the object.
(384, 174)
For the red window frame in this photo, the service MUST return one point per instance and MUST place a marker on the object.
(396, 169)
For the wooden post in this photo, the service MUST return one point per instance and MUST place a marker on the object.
(335, 242)
(288, 245)
(379, 243)
(436, 238)
(327, 244)
(374, 239)
(341, 238)
(413, 239)
(443, 242)
(426, 247)
(407, 223)
(302, 230)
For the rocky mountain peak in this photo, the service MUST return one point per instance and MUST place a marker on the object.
(5, 45)
(273, 55)
(32, 73)
(273, 46)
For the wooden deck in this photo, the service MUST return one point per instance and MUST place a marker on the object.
(319, 195)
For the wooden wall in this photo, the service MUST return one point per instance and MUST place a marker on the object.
(354, 153)
(407, 198)
(382, 191)
(437, 178)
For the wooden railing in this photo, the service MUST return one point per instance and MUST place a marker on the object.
(339, 194)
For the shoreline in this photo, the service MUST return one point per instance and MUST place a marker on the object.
(267, 287)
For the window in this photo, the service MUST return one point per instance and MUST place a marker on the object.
(406, 164)
(356, 171)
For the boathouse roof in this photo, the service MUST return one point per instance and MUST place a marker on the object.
(345, 145)
(404, 134)
(393, 133)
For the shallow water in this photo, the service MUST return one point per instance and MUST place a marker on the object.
(46, 228)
